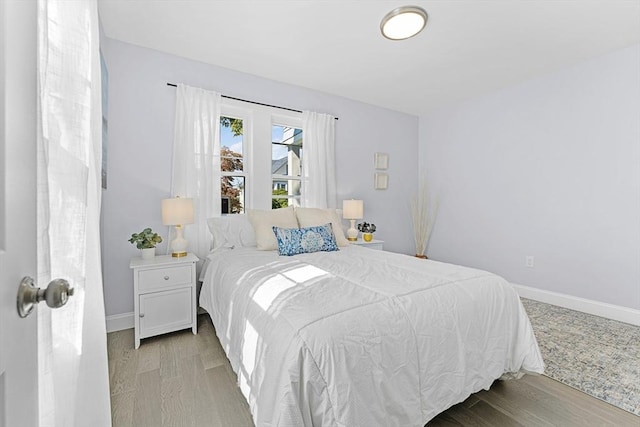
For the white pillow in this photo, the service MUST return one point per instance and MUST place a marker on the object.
(312, 217)
(263, 221)
(231, 231)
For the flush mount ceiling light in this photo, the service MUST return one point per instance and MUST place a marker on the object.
(403, 22)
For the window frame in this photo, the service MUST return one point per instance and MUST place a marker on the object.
(257, 122)
(236, 112)
(288, 178)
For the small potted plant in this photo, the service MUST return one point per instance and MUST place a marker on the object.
(146, 241)
(367, 231)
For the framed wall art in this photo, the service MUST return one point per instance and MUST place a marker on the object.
(380, 161)
(380, 181)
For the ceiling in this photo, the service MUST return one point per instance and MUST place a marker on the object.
(468, 48)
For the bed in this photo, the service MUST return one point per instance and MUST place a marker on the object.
(359, 337)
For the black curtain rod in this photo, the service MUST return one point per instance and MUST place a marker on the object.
(252, 102)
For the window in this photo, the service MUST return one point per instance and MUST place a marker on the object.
(233, 179)
(286, 165)
(260, 157)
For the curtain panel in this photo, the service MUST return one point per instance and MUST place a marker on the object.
(318, 162)
(196, 160)
(72, 349)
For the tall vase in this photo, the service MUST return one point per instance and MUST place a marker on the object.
(148, 253)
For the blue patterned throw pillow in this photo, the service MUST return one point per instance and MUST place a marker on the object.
(294, 241)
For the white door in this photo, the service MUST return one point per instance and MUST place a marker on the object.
(18, 337)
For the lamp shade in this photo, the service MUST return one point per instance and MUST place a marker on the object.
(352, 209)
(177, 211)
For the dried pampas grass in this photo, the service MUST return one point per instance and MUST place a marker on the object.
(423, 216)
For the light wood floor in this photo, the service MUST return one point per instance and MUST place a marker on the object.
(181, 379)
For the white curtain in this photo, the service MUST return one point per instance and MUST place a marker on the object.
(318, 161)
(196, 160)
(72, 359)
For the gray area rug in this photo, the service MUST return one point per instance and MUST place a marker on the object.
(598, 356)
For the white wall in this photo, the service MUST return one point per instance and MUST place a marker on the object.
(549, 168)
(141, 121)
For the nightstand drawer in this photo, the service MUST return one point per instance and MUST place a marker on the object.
(163, 277)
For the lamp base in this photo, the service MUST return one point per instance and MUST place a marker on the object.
(179, 245)
(352, 233)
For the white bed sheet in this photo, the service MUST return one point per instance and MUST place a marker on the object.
(361, 337)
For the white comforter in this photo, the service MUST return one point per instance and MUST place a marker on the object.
(362, 337)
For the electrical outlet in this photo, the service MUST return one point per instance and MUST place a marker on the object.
(528, 261)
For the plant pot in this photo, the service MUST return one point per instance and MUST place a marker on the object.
(148, 253)
(367, 237)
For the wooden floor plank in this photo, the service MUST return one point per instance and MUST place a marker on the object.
(519, 406)
(464, 416)
(232, 408)
(200, 395)
(606, 413)
(123, 367)
(122, 409)
(149, 355)
(168, 356)
(176, 408)
(492, 415)
(211, 352)
(562, 412)
(147, 400)
(444, 420)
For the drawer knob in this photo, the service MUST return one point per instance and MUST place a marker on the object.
(141, 314)
(166, 277)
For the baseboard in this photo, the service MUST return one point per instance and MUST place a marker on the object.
(602, 309)
(119, 322)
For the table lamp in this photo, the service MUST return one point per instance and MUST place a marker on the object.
(352, 210)
(178, 212)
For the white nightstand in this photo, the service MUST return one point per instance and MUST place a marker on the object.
(374, 244)
(164, 292)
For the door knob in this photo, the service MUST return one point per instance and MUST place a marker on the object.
(56, 295)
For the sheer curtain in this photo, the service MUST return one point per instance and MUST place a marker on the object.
(318, 161)
(196, 160)
(72, 360)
